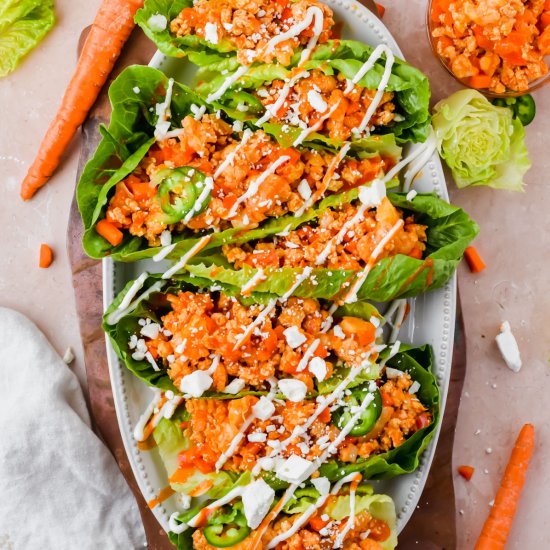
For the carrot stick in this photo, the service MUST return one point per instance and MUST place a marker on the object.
(498, 524)
(475, 263)
(46, 256)
(113, 235)
(111, 28)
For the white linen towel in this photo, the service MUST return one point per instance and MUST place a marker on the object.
(60, 488)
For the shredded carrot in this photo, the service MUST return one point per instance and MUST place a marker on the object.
(497, 526)
(109, 232)
(466, 472)
(381, 10)
(475, 263)
(480, 81)
(46, 256)
(111, 28)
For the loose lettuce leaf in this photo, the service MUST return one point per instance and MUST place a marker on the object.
(345, 57)
(449, 232)
(157, 306)
(481, 143)
(419, 363)
(23, 24)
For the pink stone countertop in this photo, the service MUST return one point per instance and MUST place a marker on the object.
(514, 242)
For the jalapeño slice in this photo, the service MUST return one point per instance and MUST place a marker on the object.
(226, 527)
(365, 423)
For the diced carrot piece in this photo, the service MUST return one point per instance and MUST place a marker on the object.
(481, 39)
(363, 330)
(543, 41)
(381, 10)
(466, 472)
(113, 235)
(317, 523)
(547, 5)
(475, 263)
(46, 256)
(480, 81)
(140, 189)
(444, 42)
(545, 20)
(416, 253)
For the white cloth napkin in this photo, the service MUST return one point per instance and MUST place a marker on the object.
(60, 488)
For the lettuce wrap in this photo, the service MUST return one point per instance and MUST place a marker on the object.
(135, 96)
(339, 58)
(449, 231)
(374, 514)
(123, 328)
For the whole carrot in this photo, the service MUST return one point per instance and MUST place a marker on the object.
(497, 526)
(111, 28)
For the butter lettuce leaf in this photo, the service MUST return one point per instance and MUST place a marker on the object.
(419, 363)
(23, 24)
(449, 232)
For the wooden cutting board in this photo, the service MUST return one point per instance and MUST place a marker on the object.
(431, 527)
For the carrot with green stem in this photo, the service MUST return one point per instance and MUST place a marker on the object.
(497, 526)
(111, 28)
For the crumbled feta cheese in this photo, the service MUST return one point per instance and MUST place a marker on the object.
(228, 26)
(293, 469)
(157, 22)
(211, 33)
(304, 189)
(257, 437)
(151, 330)
(166, 238)
(235, 386)
(316, 100)
(263, 409)
(68, 356)
(196, 383)
(411, 194)
(257, 500)
(393, 373)
(508, 346)
(266, 463)
(318, 368)
(338, 332)
(322, 484)
(415, 386)
(293, 390)
(373, 194)
(237, 126)
(294, 338)
(136, 90)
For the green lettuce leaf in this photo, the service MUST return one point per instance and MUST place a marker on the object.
(124, 143)
(345, 57)
(23, 24)
(419, 363)
(170, 441)
(481, 143)
(167, 43)
(156, 306)
(449, 232)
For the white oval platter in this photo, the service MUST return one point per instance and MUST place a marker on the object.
(431, 321)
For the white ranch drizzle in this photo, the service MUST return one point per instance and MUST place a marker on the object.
(163, 252)
(239, 436)
(186, 257)
(214, 365)
(302, 520)
(253, 282)
(115, 316)
(351, 296)
(308, 355)
(339, 540)
(163, 113)
(208, 188)
(317, 30)
(271, 110)
(428, 147)
(327, 179)
(390, 59)
(305, 133)
(144, 418)
(247, 134)
(255, 185)
(227, 83)
(271, 306)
